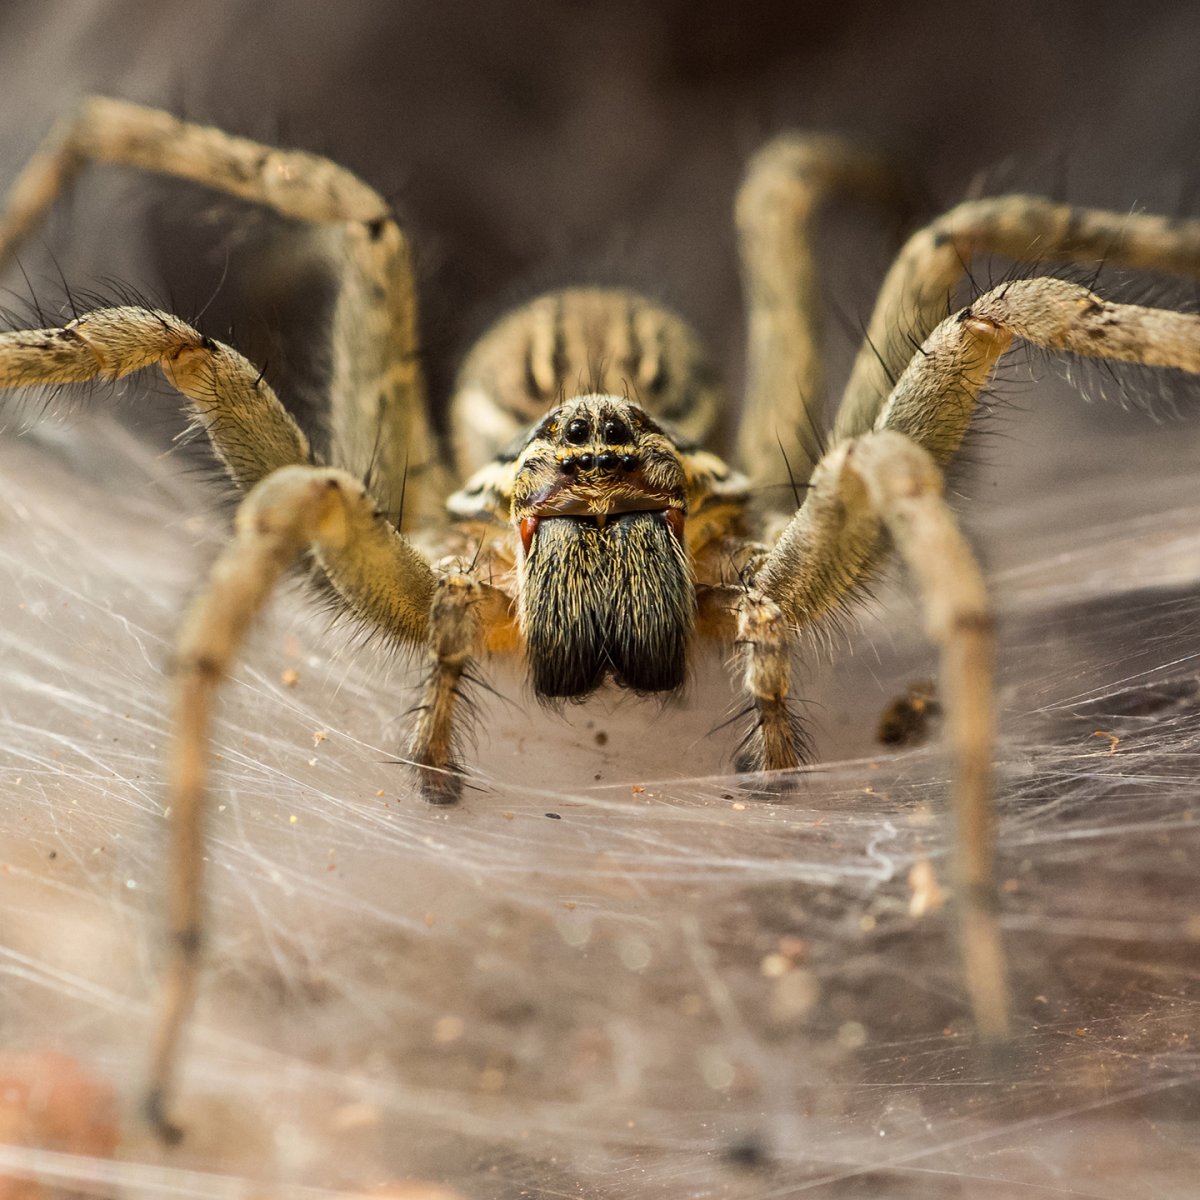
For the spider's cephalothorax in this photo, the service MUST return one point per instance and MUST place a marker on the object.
(601, 543)
(611, 512)
(599, 502)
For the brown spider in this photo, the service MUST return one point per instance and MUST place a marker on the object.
(594, 534)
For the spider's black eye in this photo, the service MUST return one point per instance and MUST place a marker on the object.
(616, 432)
(628, 462)
(578, 431)
(607, 461)
(586, 462)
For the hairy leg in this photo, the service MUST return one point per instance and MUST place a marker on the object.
(787, 183)
(378, 403)
(934, 398)
(382, 579)
(904, 487)
(864, 487)
(917, 291)
(251, 431)
(889, 480)
(833, 541)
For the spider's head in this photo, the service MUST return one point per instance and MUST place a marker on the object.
(599, 500)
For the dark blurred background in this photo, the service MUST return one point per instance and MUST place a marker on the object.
(530, 144)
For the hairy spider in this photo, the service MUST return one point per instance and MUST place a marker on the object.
(594, 533)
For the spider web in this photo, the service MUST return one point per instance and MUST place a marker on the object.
(597, 976)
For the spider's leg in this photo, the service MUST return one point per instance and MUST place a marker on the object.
(884, 481)
(889, 479)
(917, 290)
(251, 431)
(787, 183)
(904, 487)
(934, 398)
(379, 420)
(383, 580)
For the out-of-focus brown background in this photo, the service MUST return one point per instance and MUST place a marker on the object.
(668, 990)
(532, 144)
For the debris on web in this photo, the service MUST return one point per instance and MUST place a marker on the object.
(613, 970)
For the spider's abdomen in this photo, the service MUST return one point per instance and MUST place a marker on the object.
(612, 598)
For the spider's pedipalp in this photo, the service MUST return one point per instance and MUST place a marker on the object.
(776, 741)
(455, 639)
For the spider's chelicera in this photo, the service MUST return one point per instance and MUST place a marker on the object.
(600, 502)
(595, 532)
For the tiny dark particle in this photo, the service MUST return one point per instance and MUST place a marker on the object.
(555, 816)
(601, 738)
(747, 1152)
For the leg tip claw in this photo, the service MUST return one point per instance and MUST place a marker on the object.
(154, 1108)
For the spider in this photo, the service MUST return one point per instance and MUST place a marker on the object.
(594, 532)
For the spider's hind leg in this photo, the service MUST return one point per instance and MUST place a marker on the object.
(788, 182)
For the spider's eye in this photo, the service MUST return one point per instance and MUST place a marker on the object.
(616, 432)
(578, 431)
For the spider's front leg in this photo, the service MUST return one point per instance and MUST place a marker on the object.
(381, 579)
(889, 480)
(881, 482)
